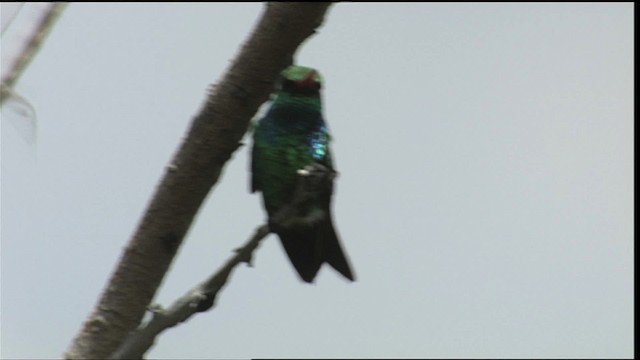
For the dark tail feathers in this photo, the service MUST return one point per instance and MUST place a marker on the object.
(308, 249)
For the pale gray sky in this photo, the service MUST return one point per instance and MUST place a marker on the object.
(485, 194)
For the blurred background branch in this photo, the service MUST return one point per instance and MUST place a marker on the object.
(30, 37)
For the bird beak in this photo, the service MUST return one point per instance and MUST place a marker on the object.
(308, 80)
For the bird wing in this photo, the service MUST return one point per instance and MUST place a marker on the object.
(255, 152)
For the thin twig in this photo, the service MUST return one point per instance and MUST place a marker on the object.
(5, 25)
(200, 298)
(214, 134)
(32, 45)
(311, 180)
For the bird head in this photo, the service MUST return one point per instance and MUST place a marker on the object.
(301, 79)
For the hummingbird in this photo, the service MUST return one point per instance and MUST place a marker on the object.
(290, 137)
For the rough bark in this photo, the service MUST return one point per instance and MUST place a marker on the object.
(201, 298)
(214, 135)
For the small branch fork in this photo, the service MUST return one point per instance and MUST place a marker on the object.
(200, 298)
(212, 137)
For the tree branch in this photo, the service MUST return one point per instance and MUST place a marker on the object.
(311, 180)
(214, 135)
(200, 298)
(31, 42)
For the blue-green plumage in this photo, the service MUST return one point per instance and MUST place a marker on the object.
(292, 135)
